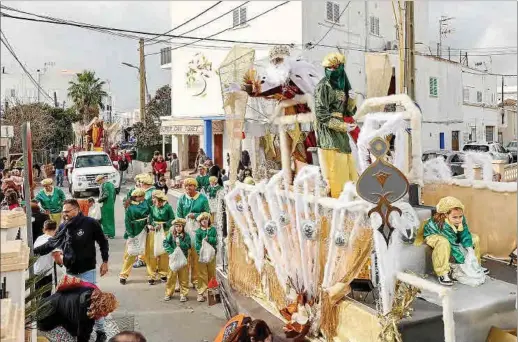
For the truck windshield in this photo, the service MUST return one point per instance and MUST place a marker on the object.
(93, 161)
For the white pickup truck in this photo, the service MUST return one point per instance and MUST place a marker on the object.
(85, 167)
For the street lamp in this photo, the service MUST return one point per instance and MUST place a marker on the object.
(145, 78)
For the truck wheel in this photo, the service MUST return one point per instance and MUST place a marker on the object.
(118, 190)
(76, 194)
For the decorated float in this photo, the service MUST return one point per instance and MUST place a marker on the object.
(316, 228)
(97, 135)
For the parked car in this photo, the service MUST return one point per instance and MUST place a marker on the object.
(496, 150)
(512, 147)
(454, 159)
(85, 167)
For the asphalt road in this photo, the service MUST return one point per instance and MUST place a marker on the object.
(157, 320)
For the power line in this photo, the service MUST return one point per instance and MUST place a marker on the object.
(4, 40)
(208, 22)
(332, 26)
(488, 73)
(184, 23)
(91, 27)
(87, 26)
(227, 29)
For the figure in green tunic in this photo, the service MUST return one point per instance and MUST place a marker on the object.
(51, 199)
(334, 104)
(448, 234)
(202, 179)
(135, 221)
(147, 185)
(107, 199)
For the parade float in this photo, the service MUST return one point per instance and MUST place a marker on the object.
(300, 248)
(97, 135)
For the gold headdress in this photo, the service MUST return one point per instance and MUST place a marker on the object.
(179, 221)
(159, 194)
(190, 181)
(333, 60)
(446, 204)
(138, 193)
(47, 181)
(203, 216)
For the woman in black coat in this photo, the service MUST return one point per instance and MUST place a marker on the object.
(75, 307)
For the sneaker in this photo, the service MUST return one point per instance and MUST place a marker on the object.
(445, 280)
(164, 279)
(151, 282)
(167, 298)
(122, 281)
(200, 298)
(183, 299)
(100, 336)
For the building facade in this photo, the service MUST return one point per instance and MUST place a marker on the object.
(16, 86)
(312, 28)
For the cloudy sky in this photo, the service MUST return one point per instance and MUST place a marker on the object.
(477, 25)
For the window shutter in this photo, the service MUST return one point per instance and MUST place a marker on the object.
(336, 12)
(235, 18)
(242, 12)
(329, 10)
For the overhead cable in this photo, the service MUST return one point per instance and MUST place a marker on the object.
(9, 48)
(184, 23)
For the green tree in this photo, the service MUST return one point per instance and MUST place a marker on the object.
(160, 105)
(63, 134)
(87, 94)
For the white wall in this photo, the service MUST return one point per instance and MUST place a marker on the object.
(282, 25)
(52, 80)
(350, 34)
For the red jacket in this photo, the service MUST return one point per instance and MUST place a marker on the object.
(160, 167)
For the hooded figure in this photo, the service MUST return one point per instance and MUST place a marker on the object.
(334, 104)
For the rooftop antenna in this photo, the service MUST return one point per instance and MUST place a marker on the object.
(444, 30)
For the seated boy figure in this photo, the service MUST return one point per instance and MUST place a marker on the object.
(448, 234)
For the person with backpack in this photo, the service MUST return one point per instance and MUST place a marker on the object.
(123, 166)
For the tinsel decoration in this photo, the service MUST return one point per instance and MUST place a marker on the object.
(404, 295)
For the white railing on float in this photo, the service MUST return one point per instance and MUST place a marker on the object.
(510, 173)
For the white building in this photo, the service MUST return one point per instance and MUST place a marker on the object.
(197, 108)
(128, 119)
(16, 87)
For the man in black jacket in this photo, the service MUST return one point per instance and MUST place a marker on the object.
(76, 238)
(59, 165)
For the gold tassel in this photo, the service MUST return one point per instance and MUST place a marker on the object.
(276, 292)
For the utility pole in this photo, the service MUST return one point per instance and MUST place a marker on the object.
(142, 71)
(39, 74)
(409, 50)
(502, 93)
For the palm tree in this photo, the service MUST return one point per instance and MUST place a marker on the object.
(87, 94)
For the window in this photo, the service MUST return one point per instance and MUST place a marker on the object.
(473, 134)
(94, 160)
(489, 133)
(239, 17)
(434, 91)
(13, 92)
(503, 119)
(165, 56)
(479, 96)
(375, 26)
(465, 94)
(333, 11)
